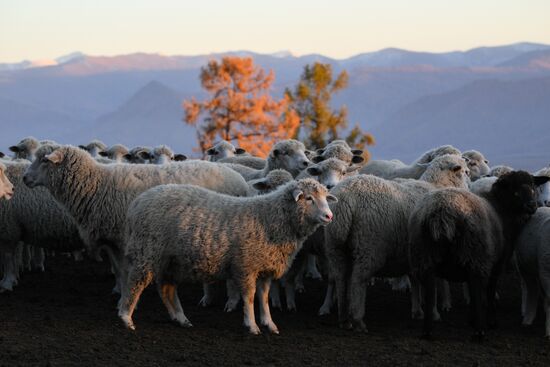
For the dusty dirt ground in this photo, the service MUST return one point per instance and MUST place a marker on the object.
(66, 316)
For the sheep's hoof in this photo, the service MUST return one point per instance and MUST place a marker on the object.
(314, 275)
(418, 315)
(185, 323)
(323, 311)
(254, 330)
(446, 308)
(230, 307)
(360, 327)
(205, 302)
(547, 337)
(128, 323)
(346, 325)
(478, 337)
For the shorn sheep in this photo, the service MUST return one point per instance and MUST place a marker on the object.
(94, 147)
(459, 236)
(98, 196)
(478, 165)
(533, 259)
(395, 168)
(177, 233)
(368, 236)
(223, 149)
(286, 154)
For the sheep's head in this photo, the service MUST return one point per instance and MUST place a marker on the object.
(94, 147)
(312, 200)
(331, 171)
(288, 155)
(516, 191)
(543, 191)
(478, 165)
(447, 170)
(430, 155)
(163, 154)
(223, 149)
(25, 149)
(339, 151)
(6, 187)
(138, 155)
(116, 152)
(37, 172)
(272, 181)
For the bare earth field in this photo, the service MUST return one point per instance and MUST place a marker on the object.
(66, 316)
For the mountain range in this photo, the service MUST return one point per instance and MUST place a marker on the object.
(495, 99)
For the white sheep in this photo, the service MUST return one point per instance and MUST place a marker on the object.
(478, 165)
(459, 236)
(245, 160)
(98, 196)
(177, 233)
(368, 236)
(533, 259)
(139, 155)
(223, 149)
(543, 191)
(498, 171)
(94, 147)
(25, 149)
(115, 153)
(395, 168)
(163, 154)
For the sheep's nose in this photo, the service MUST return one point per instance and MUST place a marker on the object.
(328, 216)
(329, 186)
(546, 202)
(305, 164)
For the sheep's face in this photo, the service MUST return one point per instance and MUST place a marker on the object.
(115, 153)
(290, 157)
(223, 150)
(517, 191)
(94, 148)
(341, 152)
(331, 172)
(478, 168)
(312, 199)
(272, 181)
(38, 173)
(543, 194)
(25, 149)
(138, 156)
(6, 187)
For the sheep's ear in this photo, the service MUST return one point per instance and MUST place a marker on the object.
(15, 149)
(357, 152)
(357, 159)
(456, 168)
(103, 154)
(352, 168)
(424, 165)
(83, 147)
(55, 157)
(297, 194)
(320, 151)
(540, 180)
(314, 171)
(144, 155)
(179, 157)
(211, 151)
(240, 151)
(331, 198)
(260, 185)
(127, 156)
(317, 159)
(276, 152)
(466, 159)
(486, 161)
(2, 155)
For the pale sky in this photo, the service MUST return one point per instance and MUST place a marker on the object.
(46, 29)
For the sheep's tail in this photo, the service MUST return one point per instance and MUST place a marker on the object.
(440, 227)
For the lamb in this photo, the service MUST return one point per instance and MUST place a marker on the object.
(369, 232)
(98, 196)
(115, 153)
(286, 154)
(26, 148)
(477, 164)
(395, 168)
(163, 154)
(223, 149)
(6, 187)
(533, 259)
(459, 236)
(138, 155)
(250, 240)
(498, 171)
(32, 217)
(543, 191)
(94, 147)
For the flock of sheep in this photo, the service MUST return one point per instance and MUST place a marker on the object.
(260, 225)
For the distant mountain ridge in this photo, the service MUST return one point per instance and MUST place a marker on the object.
(394, 93)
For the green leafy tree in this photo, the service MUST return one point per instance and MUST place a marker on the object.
(311, 99)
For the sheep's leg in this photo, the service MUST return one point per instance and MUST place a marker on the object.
(248, 289)
(78, 255)
(357, 290)
(466, 293)
(233, 296)
(428, 288)
(531, 290)
(478, 292)
(312, 271)
(38, 257)
(327, 303)
(446, 299)
(208, 294)
(136, 282)
(544, 275)
(169, 294)
(338, 270)
(275, 294)
(27, 257)
(10, 268)
(263, 298)
(416, 304)
(491, 302)
(523, 296)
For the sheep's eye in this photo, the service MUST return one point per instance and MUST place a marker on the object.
(473, 164)
(309, 198)
(44, 160)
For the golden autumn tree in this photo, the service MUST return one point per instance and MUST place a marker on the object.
(319, 123)
(239, 108)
